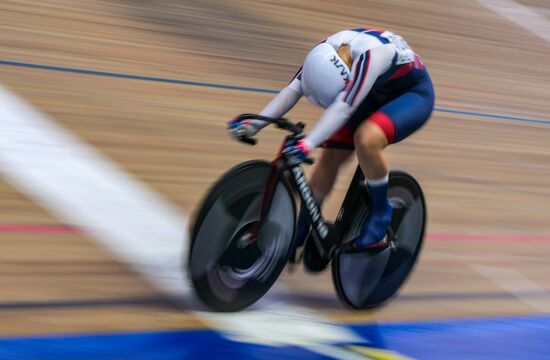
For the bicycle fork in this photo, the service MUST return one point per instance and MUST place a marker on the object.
(267, 198)
(320, 229)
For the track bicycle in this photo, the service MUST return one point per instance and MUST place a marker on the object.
(244, 231)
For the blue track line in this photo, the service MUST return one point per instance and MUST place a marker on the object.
(151, 301)
(493, 116)
(500, 337)
(233, 87)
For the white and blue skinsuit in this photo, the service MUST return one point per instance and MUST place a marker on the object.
(388, 84)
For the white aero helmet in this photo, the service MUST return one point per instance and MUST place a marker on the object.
(324, 75)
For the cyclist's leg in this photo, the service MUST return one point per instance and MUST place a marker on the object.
(392, 123)
(370, 141)
(326, 169)
(337, 150)
(321, 182)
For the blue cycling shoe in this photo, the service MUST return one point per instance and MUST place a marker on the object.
(375, 226)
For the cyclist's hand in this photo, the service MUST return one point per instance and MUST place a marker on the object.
(241, 129)
(297, 152)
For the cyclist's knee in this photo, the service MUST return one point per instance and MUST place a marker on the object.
(370, 138)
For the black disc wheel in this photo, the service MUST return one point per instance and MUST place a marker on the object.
(234, 256)
(367, 278)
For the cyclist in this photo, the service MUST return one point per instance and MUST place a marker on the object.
(376, 92)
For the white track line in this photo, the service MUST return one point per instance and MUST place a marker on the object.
(522, 15)
(74, 182)
(282, 325)
(516, 284)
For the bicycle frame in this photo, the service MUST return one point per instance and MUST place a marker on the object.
(320, 227)
(326, 236)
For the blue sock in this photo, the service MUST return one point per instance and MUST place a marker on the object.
(376, 224)
(379, 193)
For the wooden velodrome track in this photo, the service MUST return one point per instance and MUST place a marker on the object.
(486, 179)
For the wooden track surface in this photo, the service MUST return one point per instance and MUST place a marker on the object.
(482, 176)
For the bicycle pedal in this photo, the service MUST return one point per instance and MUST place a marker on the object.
(380, 244)
(391, 236)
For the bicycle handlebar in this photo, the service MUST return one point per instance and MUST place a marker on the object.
(281, 123)
(249, 141)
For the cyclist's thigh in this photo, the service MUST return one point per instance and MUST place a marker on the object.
(405, 114)
(343, 138)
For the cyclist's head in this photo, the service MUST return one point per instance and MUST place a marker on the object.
(324, 75)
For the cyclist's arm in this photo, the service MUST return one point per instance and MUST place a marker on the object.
(366, 69)
(282, 102)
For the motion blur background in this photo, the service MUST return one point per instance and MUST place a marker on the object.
(92, 236)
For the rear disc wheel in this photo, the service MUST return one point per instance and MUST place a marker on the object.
(367, 278)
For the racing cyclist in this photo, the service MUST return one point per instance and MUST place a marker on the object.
(376, 91)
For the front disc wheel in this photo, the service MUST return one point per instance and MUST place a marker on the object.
(235, 257)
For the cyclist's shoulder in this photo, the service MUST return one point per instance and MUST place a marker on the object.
(359, 39)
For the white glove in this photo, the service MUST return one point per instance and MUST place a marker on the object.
(239, 129)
